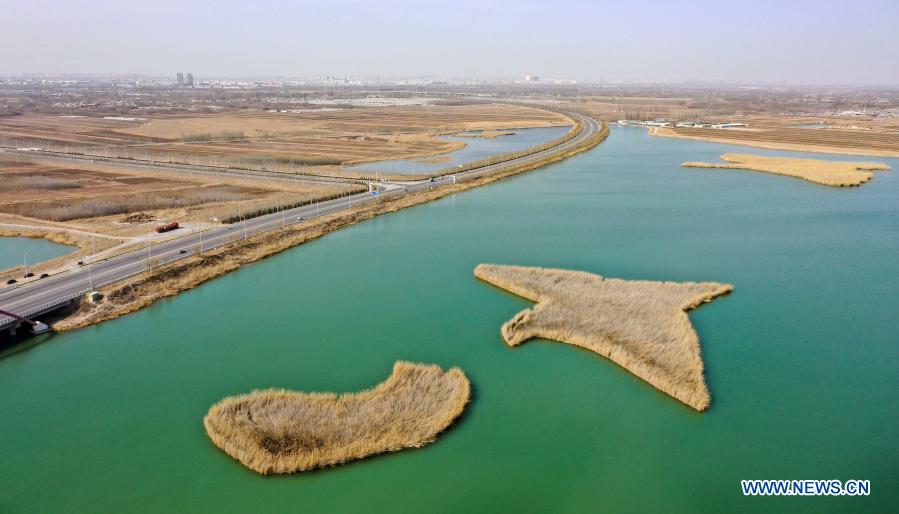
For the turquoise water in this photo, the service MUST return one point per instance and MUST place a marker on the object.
(37, 250)
(476, 148)
(801, 359)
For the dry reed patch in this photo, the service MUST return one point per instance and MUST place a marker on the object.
(638, 324)
(877, 143)
(280, 431)
(828, 173)
(486, 134)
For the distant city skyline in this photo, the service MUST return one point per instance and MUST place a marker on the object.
(826, 42)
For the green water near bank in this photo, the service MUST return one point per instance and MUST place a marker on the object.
(801, 359)
(37, 250)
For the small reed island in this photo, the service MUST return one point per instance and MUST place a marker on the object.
(637, 324)
(486, 134)
(828, 173)
(280, 431)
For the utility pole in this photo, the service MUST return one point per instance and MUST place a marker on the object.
(25, 258)
(240, 215)
(148, 244)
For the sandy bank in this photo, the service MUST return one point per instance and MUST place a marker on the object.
(828, 173)
(637, 324)
(280, 431)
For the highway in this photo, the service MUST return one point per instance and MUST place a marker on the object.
(39, 296)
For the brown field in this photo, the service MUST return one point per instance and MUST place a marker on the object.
(314, 141)
(280, 431)
(843, 141)
(640, 325)
(828, 173)
(101, 198)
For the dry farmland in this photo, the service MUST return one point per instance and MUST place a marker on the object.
(316, 141)
(120, 203)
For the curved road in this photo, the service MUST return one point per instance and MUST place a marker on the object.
(40, 296)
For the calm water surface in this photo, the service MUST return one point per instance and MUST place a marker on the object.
(801, 359)
(38, 250)
(476, 148)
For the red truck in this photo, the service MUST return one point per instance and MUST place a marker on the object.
(165, 228)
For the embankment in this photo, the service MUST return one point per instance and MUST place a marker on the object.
(142, 290)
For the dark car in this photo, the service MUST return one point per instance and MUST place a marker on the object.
(29, 275)
(44, 275)
(182, 251)
(81, 263)
(11, 281)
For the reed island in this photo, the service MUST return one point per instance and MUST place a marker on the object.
(828, 173)
(279, 431)
(639, 325)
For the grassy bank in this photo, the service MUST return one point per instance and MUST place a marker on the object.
(828, 173)
(141, 290)
(640, 325)
(280, 431)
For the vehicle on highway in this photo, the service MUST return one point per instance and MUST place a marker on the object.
(44, 275)
(182, 251)
(11, 281)
(29, 275)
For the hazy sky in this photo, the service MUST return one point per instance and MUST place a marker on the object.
(825, 41)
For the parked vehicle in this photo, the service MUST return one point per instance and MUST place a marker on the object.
(167, 227)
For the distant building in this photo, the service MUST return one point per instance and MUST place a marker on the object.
(531, 78)
(190, 80)
(179, 78)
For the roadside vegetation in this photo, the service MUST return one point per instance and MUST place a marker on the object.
(828, 173)
(95, 207)
(640, 325)
(280, 431)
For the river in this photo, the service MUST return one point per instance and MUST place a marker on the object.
(801, 358)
